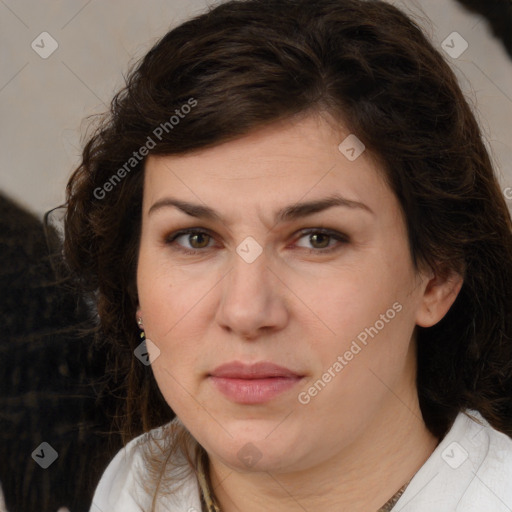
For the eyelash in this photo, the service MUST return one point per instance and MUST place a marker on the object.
(340, 237)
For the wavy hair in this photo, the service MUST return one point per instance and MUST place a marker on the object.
(249, 63)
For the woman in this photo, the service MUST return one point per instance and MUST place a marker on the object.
(291, 205)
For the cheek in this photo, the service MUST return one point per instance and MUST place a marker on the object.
(354, 299)
(370, 316)
(358, 370)
(169, 297)
(171, 322)
(175, 331)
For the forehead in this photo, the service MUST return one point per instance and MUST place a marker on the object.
(284, 162)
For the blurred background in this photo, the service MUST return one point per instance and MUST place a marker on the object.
(62, 61)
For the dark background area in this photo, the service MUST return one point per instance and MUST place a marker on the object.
(52, 377)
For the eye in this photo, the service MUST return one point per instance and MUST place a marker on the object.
(321, 238)
(199, 240)
(196, 238)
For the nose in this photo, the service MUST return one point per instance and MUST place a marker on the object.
(253, 301)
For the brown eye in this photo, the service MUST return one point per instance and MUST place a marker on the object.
(196, 240)
(319, 240)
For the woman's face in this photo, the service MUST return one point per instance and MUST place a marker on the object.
(328, 293)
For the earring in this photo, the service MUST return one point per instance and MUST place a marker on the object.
(142, 333)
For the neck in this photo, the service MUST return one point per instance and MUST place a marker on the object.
(360, 478)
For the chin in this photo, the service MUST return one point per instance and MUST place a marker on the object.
(254, 452)
(250, 459)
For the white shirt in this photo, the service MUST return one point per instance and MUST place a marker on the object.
(469, 471)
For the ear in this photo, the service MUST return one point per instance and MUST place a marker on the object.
(439, 295)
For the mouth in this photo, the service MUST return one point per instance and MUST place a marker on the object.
(253, 384)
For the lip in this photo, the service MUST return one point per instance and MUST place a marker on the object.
(260, 370)
(255, 383)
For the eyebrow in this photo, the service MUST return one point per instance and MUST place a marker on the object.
(288, 213)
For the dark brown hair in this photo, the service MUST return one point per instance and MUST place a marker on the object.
(248, 63)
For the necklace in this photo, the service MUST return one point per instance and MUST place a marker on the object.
(388, 506)
(209, 503)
